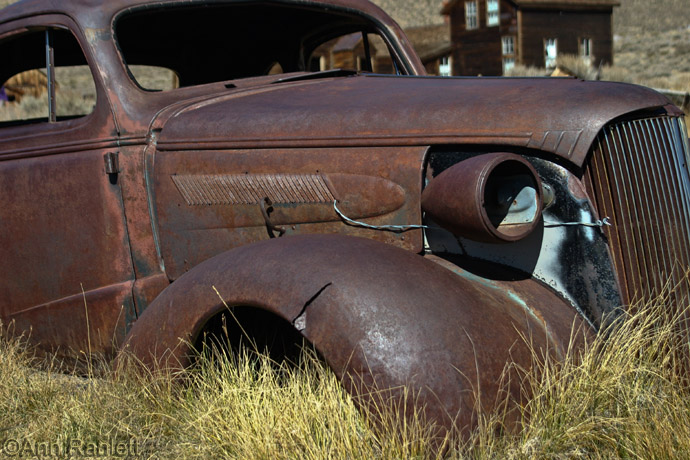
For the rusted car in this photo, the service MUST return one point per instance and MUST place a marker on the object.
(290, 159)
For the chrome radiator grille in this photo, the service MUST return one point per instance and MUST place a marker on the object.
(637, 175)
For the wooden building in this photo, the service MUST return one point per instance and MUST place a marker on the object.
(490, 36)
(349, 52)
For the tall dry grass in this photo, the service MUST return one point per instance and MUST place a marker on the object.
(242, 408)
(626, 396)
(622, 397)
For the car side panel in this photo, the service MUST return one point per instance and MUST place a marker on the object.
(210, 201)
(65, 257)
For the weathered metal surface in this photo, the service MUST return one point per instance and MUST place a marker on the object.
(75, 326)
(62, 227)
(475, 198)
(136, 197)
(384, 110)
(568, 256)
(145, 290)
(380, 185)
(371, 110)
(62, 230)
(441, 334)
(527, 293)
(638, 175)
(253, 188)
(96, 18)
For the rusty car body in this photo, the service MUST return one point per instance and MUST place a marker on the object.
(417, 231)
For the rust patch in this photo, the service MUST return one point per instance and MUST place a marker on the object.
(219, 189)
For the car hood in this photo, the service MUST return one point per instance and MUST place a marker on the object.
(562, 116)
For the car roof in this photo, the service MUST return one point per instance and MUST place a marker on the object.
(102, 11)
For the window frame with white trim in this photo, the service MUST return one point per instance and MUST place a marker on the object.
(585, 46)
(493, 17)
(445, 66)
(471, 15)
(550, 57)
(508, 52)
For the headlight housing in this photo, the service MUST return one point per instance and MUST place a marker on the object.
(492, 198)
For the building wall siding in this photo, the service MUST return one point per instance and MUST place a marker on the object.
(479, 51)
(568, 27)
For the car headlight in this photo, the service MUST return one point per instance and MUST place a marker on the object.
(492, 198)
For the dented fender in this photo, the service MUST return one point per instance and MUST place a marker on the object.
(379, 315)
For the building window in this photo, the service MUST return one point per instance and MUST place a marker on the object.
(508, 49)
(586, 49)
(444, 66)
(508, 64)
(550, 52)
(471, 15)
(492, 17)
(508, 43)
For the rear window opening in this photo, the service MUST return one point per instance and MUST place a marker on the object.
(192, 45)
(28, 93)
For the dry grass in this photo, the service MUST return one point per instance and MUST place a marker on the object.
(652, 42)
(622, 398)
(247, 408)
(656, 59)
(627, 396)
(634, 16)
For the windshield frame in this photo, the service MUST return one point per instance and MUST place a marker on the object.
(393, 37)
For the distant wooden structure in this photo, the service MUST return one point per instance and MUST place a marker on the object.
(348, 52)
(30, 83)
(489, 37)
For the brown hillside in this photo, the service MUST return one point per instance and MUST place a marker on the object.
(634, 16)
(652, 42)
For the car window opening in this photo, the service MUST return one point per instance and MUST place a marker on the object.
(45, 78)
(194, 45)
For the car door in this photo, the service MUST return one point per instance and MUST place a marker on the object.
(65, 265)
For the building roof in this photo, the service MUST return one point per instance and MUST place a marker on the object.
(347, 42)
(550, 4)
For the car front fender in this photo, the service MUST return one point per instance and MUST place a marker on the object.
(381, 317)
